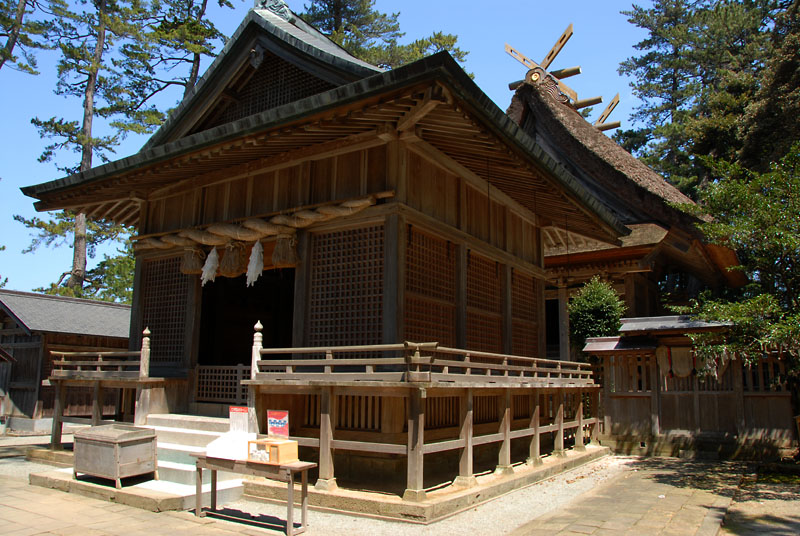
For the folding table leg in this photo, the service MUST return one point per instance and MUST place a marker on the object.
(290, 505)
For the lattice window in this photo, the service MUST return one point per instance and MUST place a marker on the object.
(485, 409)
(524, 313)
(521, 406)
(484, 305)
(356, 412)
(164, 298)
(275, 82)
(430, 296)
(441, 412)
(222, 384)
(346, 304)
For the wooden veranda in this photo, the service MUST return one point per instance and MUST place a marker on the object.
(417, 399)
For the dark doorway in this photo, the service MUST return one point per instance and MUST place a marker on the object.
(230, 309)
(552, 332)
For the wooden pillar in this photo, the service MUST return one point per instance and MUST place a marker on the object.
(655, 394)
(97, 403)
(595, 434)
(415, 490)
(535, 454)
(563, 322)
(143, 392)
(579, 445)
(504, 457)
(461, 296)
(558, 443)
(327, 480)
(608, 376)
(465, 477)
(302, 276)
(58, 415)
(737, 370)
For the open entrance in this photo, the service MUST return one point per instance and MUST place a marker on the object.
(552, 332)
(229, 311)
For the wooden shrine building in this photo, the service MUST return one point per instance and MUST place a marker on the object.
(662, 260)
(32, 326)
(345, 211)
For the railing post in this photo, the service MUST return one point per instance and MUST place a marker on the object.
(328, 360)
(579, 445)
(253, 400)
(415, 490)
(327, 480)
(465, 477)
(58, 415)
(558, 443)
(595, 434)
(256, 355)
(504, 466)
(144, 358)
(535, 455)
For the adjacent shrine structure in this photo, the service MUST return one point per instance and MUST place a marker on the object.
(385, 233)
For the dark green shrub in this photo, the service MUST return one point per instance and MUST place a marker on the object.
(594, 312)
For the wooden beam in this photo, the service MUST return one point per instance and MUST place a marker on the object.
(610, 108)
(417, 113)
(534, 452)
(548, 59)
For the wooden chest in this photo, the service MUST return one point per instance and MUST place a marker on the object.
(275, 451)
(115, 451)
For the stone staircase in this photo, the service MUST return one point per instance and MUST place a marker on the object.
(178, 436)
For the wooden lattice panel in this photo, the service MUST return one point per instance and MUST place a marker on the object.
(222, 384)
(356, 412)
(484, 304)
(485, 409)
(441, 412)
(524, 313)
(275, 82)
(430, 296)
(346, 291)
(164, 295)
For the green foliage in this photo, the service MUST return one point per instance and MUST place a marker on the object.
(756, 215)
(594, 312)
(58, 231)
(23, 34)
(700, 68)
(373, 36)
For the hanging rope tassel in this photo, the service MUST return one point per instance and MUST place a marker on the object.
(192, 263)
(285, 255)
(256, 264)
(210, 267)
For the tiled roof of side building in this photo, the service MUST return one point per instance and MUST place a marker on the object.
(58, 314)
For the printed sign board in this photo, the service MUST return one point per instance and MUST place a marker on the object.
(238, 418)
(278, 423)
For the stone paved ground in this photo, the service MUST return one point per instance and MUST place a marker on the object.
(633, 496)
(766, 503)
(664, 496)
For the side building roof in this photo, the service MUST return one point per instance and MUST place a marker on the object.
(58, 314)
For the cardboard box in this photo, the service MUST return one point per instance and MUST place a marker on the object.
(272, 450)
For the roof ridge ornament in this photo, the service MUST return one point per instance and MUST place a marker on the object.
(278, 7)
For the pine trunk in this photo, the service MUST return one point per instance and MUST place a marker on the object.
(13, 34)
(78, 273)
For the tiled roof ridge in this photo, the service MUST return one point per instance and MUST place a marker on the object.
(84, 301)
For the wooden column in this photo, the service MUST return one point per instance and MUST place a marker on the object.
(563, 322)
(97, 403)
(143, 392)
(504, 457)
(535, 454)
(738, 392)
(415, 490)
(579, 446)
(696, 401)
(595, 434)
(58, 415)
(465, 477)
(558, 442)
(302, 276)
(608, 375)
(327, 480)
(655, 393)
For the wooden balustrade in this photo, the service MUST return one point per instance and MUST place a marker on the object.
(412, 362)
(103, 365)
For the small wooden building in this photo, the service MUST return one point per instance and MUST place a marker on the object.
(656, 398)
(32, 326)
(662, 261)
(348, 210)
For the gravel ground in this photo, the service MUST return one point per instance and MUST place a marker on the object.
(499, 516)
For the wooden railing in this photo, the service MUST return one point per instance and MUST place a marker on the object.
(412, 362)
(103, 365)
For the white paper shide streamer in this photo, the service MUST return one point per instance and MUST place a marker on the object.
(256, 264)
(210, 267)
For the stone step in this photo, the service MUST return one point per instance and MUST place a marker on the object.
(184, 436)
(190, 422)
(181, 473)
(173, 452)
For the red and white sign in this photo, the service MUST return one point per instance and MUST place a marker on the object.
(238, 418)
(278, 422)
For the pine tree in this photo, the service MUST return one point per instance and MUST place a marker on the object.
(22, 34)
(374, 36)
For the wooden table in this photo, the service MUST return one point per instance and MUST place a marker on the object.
(282, 472)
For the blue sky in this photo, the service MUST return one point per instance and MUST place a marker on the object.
(603, 38)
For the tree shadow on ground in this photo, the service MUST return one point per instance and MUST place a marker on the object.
(740, 523)
(719, 477)
(261, 521)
